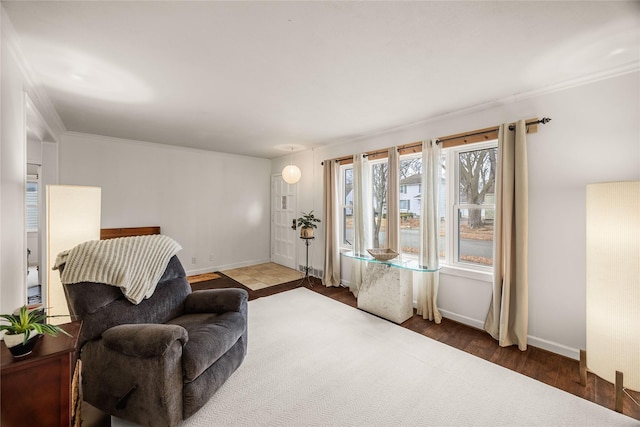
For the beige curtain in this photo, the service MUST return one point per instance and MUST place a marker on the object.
(331, 216)
(393, 200)
(362, 211)
(429, 229)
(507, 320)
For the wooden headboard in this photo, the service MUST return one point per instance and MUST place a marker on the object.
(112, 233)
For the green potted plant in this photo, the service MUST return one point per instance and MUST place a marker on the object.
(308, 222)
(24, 327)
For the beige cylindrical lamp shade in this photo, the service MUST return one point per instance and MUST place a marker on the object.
(291, 174)
(613, 281)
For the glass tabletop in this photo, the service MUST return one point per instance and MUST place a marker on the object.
(399, 261)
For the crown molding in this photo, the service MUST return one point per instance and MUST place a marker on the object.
(38, 97)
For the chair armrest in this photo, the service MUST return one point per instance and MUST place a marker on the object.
(216, 301)
(144, 340)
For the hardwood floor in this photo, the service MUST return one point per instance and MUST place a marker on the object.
(550, 368)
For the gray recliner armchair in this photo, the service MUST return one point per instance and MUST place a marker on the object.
(157, 362)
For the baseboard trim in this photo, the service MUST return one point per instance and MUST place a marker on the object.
(462, 319)
(553, 347)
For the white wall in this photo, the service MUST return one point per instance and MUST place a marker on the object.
(594, 136)
(13, 163)
(17, 83)
(217, 206)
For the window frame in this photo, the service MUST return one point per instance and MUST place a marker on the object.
(409, 157)
(384, 209)
(450, 262)
(343, 206)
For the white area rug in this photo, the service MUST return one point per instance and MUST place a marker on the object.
(313, 361)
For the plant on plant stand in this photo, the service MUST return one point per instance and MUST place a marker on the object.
(24, 329)
(308, 222)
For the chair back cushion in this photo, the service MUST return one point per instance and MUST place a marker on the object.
(101, 306)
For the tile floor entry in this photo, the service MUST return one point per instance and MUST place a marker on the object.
(262, 276)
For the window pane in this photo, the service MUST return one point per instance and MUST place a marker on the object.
(476, 176)
(348, 186)
(476, 186)
(347, 209)
(379, 179)
(32, 206)
(347, 226)
(410, 200)
(475, 244)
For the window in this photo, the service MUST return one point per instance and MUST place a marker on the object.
(410, 200)
(379, 184)
(346, 198)
(32, 206)
(378, 213)
(466, 205)
(470, 181)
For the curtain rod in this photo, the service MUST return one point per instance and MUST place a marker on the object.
(461, 137)
(530, 122)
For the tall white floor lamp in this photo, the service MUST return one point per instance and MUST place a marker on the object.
(73, 217)
(613, 286)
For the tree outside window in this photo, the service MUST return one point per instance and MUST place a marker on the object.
(379, 183)
(477, 171)
(475, 206)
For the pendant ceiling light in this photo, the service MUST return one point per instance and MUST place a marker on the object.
(291, 173)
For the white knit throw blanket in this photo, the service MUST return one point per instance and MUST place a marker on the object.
(135, 264)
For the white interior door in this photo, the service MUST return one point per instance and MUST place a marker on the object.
(283, 213)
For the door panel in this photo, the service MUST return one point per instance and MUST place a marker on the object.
(283, 213)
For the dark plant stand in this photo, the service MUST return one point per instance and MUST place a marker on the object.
(307, 242)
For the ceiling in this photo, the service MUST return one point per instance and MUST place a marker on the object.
(258, 78)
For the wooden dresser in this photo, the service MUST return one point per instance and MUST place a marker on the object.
(37, 389)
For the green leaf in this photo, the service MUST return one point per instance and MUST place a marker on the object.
(25, 322)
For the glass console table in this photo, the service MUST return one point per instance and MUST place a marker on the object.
(387, 286)
(399, 261)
